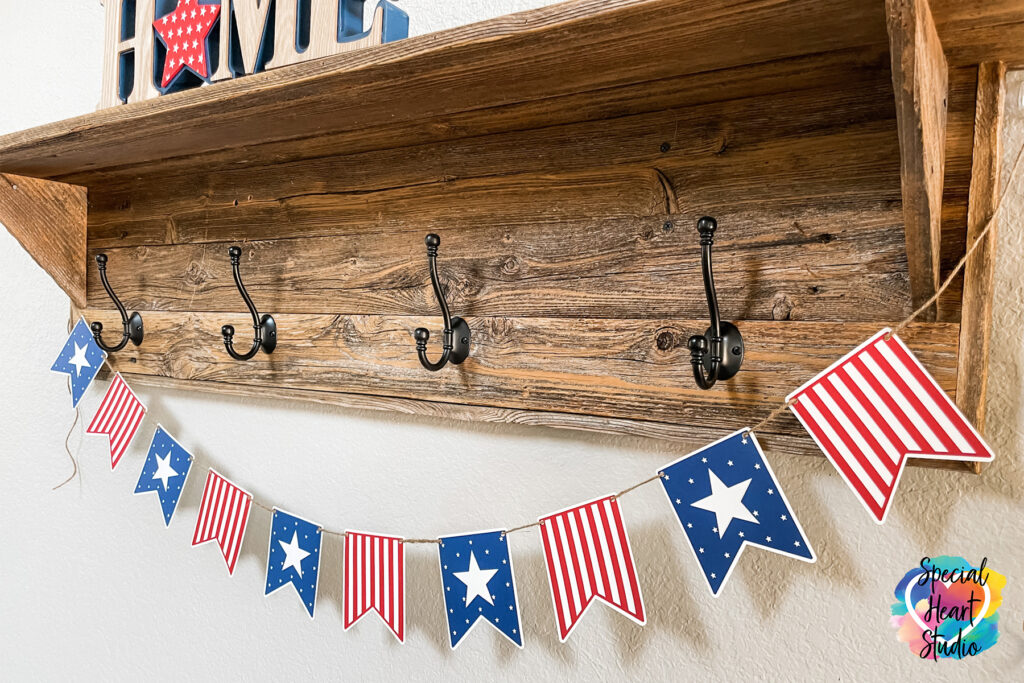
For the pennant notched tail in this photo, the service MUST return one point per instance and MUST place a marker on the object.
(375, 580)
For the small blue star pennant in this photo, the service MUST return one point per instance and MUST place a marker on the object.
(726, 496)
(165, 471)
(80, 359)
(476, 572)
(294, 556)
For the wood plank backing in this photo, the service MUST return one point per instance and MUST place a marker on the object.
(841, 261)
(550, 52)
(49, 220)
(977, 31)
(920, 82)
(633, 369)
(979, 272)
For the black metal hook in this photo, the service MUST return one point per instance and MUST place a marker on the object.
(456, 330)
(264, 329)
(718, 353)
(132, 326)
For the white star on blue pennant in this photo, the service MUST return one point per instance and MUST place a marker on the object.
(734, 501)
(80, 359)
(294, 557)
(476, 571)
(165, 471)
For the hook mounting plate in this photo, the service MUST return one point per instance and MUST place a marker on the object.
(460, 340)
(732, 350)
(135, 328)
(269, 327)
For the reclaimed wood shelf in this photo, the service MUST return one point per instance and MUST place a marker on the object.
(848, 149)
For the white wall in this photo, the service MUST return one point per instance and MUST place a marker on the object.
(91, 584)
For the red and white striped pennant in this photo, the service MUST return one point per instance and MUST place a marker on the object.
(588, 556)
(375, 580)
(119, 416)
(223, 515)
(876, 407)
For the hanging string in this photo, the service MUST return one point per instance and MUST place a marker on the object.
(67, 448)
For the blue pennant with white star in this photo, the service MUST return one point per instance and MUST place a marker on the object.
(727, 496)
(476, 572)
(294, 556)
(80, 359)
(165, 471)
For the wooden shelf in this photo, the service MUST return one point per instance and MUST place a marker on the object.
(564, 155)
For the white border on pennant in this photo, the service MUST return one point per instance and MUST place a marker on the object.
(145, 412)
(241, 541)
(906, 456)
(320, 554)
(191, 461)
(81, 319)
(515, 589)
(595, 598)
(344, 584)
(745, 543)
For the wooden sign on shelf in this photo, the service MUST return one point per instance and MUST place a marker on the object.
(158, 46)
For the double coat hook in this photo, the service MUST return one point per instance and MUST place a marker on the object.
(132, 326)
(455, 342)
(718, 353)
(264, 328)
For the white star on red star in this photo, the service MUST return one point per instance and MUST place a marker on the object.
(193, 47)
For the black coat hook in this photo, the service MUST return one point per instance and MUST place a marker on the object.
(132, 326)
(718, 353)
(264, 329)
(456, 331)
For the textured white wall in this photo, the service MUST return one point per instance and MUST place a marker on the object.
(91, 584)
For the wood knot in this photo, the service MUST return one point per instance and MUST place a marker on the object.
(668, 338)
(511, 265)
(782, 308)
(825, 237)
(194, 274)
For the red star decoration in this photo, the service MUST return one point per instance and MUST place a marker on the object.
(184, 32)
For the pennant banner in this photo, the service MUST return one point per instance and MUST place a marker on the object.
(726, 496)
(119, 416)
(165, 471)
(294, 556)
(876, 407)
(588, 556)
(476, 572)
(223, 515)
(375, 580)
(80, 359)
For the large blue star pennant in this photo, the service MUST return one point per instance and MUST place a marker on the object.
(726, 496)
(294, 556)
(80, 359)
(476, 572)
(165, 471)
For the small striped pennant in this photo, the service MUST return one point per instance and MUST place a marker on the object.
(588, 556)
(223, 515)
(375, 580)
(876, 407)
(119, 416)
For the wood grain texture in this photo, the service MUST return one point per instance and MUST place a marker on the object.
(978, 31)
(612, 42)
(633, 369)
(979, 272)
(49, 220)
(920, 83)
(142, 45)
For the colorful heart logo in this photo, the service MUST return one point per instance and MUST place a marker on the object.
(942, 589)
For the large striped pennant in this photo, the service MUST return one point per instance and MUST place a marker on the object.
(375, 580)
(223, 515)
(588, 556)
(119, 416)
(876, 407)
